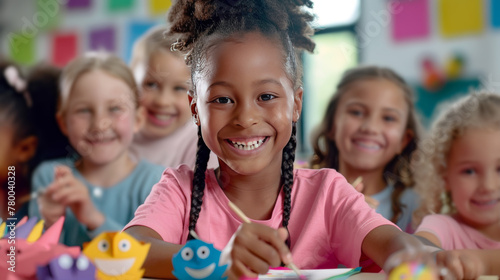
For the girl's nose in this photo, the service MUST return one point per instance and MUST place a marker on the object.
(164, 98)
(246, 115)
(101, 122)
(369, 125)
(491, 181)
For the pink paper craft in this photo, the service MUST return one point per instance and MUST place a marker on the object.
(410, 19)
(24, 257)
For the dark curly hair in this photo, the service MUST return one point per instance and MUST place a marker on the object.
(201, 25)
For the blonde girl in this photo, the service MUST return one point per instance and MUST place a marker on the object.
(459, 171)
(100, 189)
(168, 136)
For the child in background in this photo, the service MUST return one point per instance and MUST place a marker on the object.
(246, 99)
(18, 141)
(100, 191)
(168, 136)
(459, 171)
(370, 129)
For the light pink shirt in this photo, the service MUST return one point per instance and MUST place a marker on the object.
(454, 235)
(174, 149)
(328, 222)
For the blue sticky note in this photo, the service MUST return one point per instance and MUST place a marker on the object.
(495, 13)
(134, 31)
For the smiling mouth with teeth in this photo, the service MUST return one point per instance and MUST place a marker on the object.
(247, 146)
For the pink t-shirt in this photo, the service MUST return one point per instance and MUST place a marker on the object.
(454, 235)
(328, 221)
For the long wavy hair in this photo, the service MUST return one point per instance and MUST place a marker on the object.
(398, 171)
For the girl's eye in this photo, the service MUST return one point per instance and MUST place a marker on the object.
(469, 171)
(151, 85)
(355, 112)
(389, 118)
(82, 110)
(223, 100)
(115, 109)
(267, 97)
(180, 89)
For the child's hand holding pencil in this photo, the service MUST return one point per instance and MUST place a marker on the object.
(256, 248)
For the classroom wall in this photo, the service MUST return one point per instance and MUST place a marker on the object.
(378, 46)
(111, 25)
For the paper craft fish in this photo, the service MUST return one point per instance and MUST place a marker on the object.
(198, 260)
(66, 267)
(117, 255)
(30, 249)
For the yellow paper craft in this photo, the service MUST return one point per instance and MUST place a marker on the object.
(117, 255)
(459, 17)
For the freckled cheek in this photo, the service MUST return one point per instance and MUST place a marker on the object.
(124, 124)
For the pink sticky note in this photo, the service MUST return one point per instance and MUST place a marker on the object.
(64, 48)
(410, 19)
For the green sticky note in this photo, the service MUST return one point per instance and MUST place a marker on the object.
(120, 5)
(21, 48)
(48, 13)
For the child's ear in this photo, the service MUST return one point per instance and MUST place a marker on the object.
(407, 136)
(26, 149)
(62, 123)
(140, 118)
(297, 106)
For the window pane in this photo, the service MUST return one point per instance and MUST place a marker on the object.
(331, 13)
(335, 52)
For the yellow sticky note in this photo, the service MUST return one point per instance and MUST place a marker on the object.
(459, 17)
(158, 7)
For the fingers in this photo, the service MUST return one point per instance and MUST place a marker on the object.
(450, 261)
(359, 186)
(258, 247)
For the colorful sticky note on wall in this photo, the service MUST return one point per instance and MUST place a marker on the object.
(120, 5)
(21, 48)
(495, 13)
(410, 19)
(78, 4)
(64, 48)
(159, 7)
(47, 15)
(459, 17)
(135, 30)
(102, 39)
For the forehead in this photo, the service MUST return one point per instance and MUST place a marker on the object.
(99, 85)
(376, 92)
(476, 144)
(251, 51)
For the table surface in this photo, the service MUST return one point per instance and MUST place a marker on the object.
(381, 276)
(359, 276)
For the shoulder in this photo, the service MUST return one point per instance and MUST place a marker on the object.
(149, 167)
(317, 174)
(326, 181)
(438, 221)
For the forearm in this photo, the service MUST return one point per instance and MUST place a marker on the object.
(386, 240)
(158, 263)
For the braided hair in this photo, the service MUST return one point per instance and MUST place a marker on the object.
(201, 25)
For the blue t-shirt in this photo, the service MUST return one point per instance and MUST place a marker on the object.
(410, 201)
(117, 203)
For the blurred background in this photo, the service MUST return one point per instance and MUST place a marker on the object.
(443, 48)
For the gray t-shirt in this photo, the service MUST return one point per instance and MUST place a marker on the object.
(410, 201)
